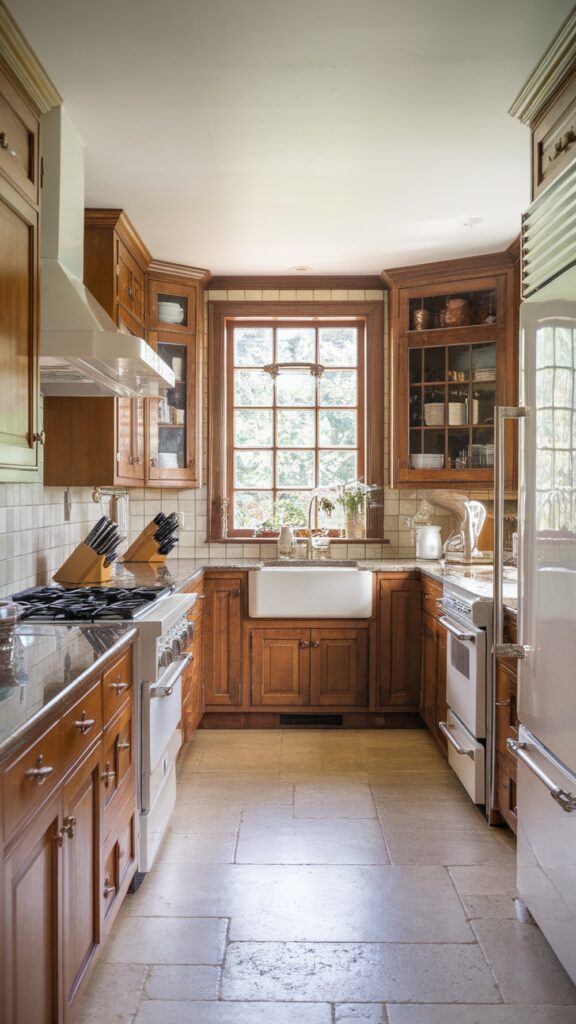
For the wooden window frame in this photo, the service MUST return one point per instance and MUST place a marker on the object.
(220, 313)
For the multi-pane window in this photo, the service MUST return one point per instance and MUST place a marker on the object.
(295, 418)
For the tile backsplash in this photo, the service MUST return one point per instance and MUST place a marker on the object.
(35, 537)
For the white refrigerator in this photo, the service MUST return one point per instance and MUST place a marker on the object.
(546, 747)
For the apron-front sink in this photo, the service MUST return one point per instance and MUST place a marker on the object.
(310, 592)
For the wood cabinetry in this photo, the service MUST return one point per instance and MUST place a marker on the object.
(175, 312)
(222, 642)
(506, 727)
(20, 438)
(192, 680)
(59, 823)
(295, 665)
(398, 658)
(432, 660)
(453, 358)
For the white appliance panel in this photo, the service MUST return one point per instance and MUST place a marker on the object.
(153, 823)
(547, 852)
(547, 694)
(466, 678)
(470, 767)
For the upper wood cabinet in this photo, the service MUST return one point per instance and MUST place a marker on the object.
(547, 104)
(175, 312)
(453, 358)
(20, 438)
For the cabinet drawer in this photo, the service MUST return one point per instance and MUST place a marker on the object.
(31, 778)
(117, 686)
(18, 141)
(431, 594)
(554, 138)
(110, 878)
(117, 756)
(506, 791)
(130, 282)
(81, 725)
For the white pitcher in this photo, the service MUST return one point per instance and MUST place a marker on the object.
(428, 541)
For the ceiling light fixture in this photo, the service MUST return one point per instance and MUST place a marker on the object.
(470, 222)
(301, 270)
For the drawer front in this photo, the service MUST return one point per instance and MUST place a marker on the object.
(130, 283)
(506, 791)
(127, 848)
(554, 138)
(117, 686)
(18, 141)
(81, 725)
(29, 780)
(117, 757)
(431, 594)
(110, 883)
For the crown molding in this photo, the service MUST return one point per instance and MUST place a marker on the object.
(449, 269)
(558, 60)
(160, 269)
(25, 66)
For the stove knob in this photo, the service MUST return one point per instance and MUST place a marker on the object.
(166, 657)
(176, 647)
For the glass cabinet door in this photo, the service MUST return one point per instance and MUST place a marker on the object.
(173, 420)
(452, 393)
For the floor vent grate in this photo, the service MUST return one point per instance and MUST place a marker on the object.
(327, 721)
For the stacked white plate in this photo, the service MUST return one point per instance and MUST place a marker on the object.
(424, 461)
(434, 414)
(489, 374)
(456, 413)
(170, 313)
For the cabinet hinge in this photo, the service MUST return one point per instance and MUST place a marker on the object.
(41, 172)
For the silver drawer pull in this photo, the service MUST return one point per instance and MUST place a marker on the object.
(457, 632)
(84, 724)
(124, 745)
(451, 739)
(118, 687)
(107, 774)
(41, 772)
(566, 800)
(108, 889)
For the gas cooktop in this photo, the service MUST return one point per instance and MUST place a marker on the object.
(86, 604)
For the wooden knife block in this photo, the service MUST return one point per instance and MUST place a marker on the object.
(83, 566)
(144, 548)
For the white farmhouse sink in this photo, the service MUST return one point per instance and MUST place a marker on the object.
(310, 592)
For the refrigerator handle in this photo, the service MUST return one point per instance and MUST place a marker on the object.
(566, 800)
(500, 649)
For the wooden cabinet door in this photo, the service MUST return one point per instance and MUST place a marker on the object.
(398, 648)
(222, 641)
(18, 337)
(31, 920)
(130, 282)
(280, 666)
(80, 871)
(339, 667)
(174, 429)
(428, 670)
(130, 430)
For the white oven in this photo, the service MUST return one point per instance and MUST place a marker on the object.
(467, 728)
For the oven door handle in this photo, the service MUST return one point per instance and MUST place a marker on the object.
(443, 726)
(165, 688)
(457, 632)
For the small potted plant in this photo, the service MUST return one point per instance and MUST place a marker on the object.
(352, 497)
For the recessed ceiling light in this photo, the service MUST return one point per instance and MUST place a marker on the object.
(300, 270)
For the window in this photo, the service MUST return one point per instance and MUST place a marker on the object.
(296, 404)
(295, 417)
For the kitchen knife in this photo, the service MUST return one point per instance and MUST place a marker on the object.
(95, 530)
(110, 534)
(97, 535)
(167, 546)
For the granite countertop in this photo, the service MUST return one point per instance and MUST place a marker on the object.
(48, 662)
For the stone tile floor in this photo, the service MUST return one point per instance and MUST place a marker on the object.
(318, 877)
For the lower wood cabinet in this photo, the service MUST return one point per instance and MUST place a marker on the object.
(398, 673)
(69, 851)
(316, 667)
(222, 644)
(433, 675)
(506, 727)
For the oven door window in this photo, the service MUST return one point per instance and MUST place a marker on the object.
(460, 658)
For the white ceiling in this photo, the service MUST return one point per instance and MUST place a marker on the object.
(252, 136)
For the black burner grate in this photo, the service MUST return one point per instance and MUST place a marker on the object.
(85, 604)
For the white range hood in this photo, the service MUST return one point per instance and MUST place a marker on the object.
(82, 352)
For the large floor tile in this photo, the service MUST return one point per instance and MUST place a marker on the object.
(197, 848)
(186, 982)
(360, 1013)
(232, 1013)
(333, 800)
(317, 903)
(452, 813)
(311, 841)
(166, 940)
(357, 972)
(112, 995)
(525, 967)
(491, 907)
(428, 1014)
(446, 846)
(207, 819)
(486, 880)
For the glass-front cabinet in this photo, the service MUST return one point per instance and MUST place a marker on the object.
(174, 423)
(453, 360)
